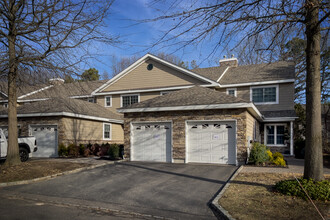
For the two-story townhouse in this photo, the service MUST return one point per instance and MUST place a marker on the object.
(168, 120)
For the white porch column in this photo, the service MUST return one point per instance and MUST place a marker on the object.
(291, 138)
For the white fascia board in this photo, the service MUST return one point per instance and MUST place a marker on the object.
(224, 72)
(280, 119)
(68, 114)
(142, 59)
(257, 83)
(34, 92)
(33, 100)
(191, 107)
(149, 90)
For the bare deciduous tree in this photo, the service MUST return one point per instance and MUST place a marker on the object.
(198, 22)
(45, 37)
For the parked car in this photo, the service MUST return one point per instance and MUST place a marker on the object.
(26, 145)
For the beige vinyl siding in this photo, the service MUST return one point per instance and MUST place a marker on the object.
(116, 99)
(87, 131)
(286, 97)
(160, 76)
(249, 126)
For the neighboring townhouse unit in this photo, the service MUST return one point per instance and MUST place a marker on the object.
(59, 113)
(166, 113)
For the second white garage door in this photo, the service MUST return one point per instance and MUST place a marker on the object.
(46, 136)
(211, 142)
(151, 142)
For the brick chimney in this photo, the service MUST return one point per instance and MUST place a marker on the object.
(56, 81)
(232, 62)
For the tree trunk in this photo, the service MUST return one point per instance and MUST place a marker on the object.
(313, 149)
(13, 150)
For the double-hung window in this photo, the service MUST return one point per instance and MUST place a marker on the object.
(107, 101)
(106, 131)
(129, 100)
(264, 95)
(274, 134)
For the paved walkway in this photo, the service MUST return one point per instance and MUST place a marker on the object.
(294, 166)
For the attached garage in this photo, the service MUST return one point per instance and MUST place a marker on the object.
(207, 126)
(46, 136)
(211, 142)
(151, 142)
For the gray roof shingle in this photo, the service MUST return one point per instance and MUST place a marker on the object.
(69, 105)
(192, 96)
(68, 90)
(250, 73)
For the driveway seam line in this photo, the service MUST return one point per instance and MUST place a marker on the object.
(223, 213)
(21, 182)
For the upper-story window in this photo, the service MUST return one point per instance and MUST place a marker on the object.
(129, 100)
(107, 101)
(232, 91)
(91, 100)
(264, 94)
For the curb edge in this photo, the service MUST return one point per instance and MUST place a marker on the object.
(222, 213)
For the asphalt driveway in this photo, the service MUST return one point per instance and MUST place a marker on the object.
(179, 191)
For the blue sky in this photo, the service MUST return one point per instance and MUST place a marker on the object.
(138, 38)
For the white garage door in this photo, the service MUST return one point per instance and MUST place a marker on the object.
(151, 142)
(211, 142)
(46, 136)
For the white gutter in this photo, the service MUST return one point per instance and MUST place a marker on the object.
(67, 114)
(250, 106)
(257, 83)
(148, 90)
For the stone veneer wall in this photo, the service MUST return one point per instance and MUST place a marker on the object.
(179, 118)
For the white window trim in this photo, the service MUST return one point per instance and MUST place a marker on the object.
(105, 101)
(121, 98)
(109, 131)
(235, 91)
(265, 103)
(275, 135)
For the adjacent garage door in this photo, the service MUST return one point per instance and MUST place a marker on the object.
(211, 142)
(151, 142)
(46, 136)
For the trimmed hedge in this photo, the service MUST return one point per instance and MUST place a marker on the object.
(317, 190)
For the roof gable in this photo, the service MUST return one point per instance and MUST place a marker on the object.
(162, 75)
